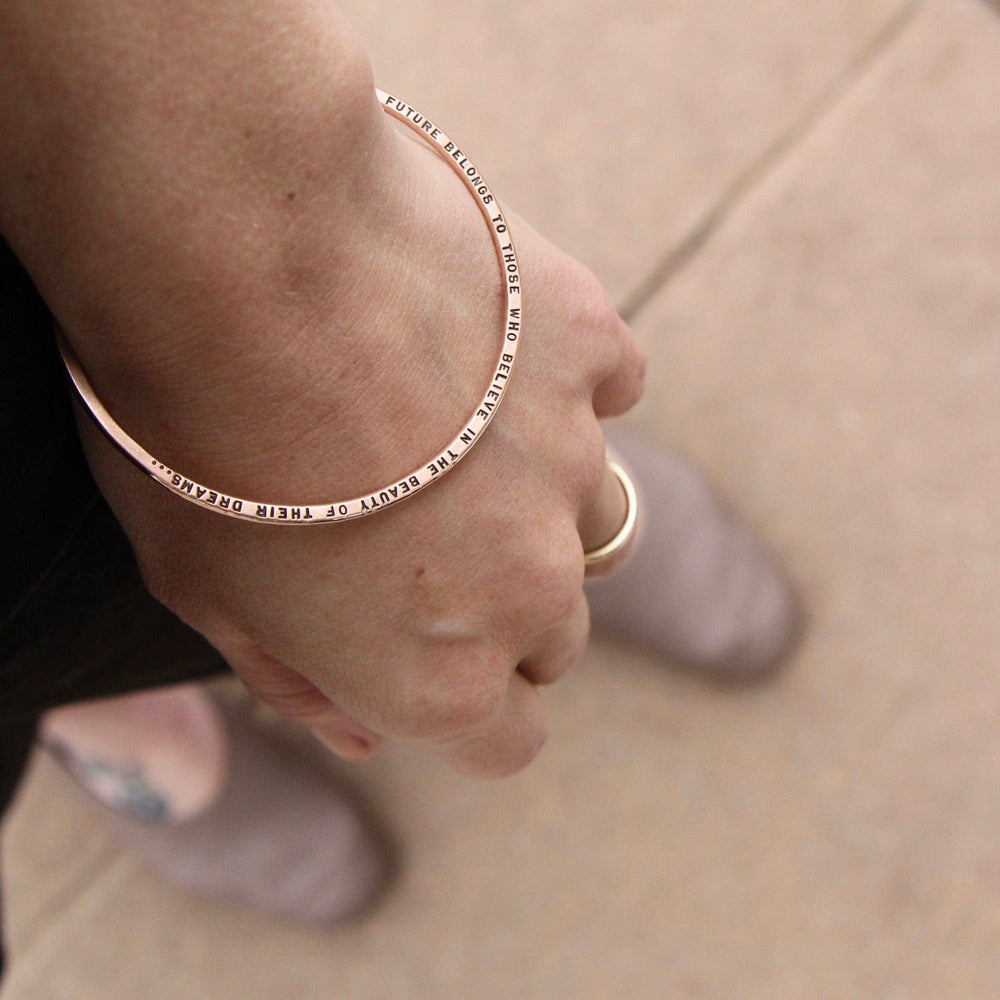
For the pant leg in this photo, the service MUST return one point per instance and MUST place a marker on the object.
(75, 619)
(87, 629)
(90, 629)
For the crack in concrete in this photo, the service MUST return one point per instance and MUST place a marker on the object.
(75, 914)
(754, 173)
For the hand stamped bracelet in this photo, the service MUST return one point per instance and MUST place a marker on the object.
(398, 489)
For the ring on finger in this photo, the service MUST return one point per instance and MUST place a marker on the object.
(623, 536)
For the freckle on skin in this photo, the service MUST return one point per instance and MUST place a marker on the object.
(420, 572)
(290, 196)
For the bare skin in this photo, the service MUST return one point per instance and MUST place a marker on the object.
(273, 289)
(159, 756)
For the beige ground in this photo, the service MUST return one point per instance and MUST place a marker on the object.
(799, 206)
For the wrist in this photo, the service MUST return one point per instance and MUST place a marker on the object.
(157, 156)
(344, 381)
(252, 266)
(189, 220)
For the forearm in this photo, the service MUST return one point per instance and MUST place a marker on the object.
(213, 110)
(188, 184)
(276, 293)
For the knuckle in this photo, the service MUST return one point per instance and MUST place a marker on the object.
(613, 348)
(595, 312)
(554, 580)
(601, 341)
(581, 453)
(636, 383)
(588, 308)
(592, 465)
(570, 654)
(517, 756)
(463, 697)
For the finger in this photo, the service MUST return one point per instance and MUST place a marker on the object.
(506, 741)
(292, 695)
(601, 519)
(555, 652)
(618, 392)
(342, 734)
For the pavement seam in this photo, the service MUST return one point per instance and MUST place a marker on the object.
(77, 906)
(91, 889)
(750, 177)
(66, 900)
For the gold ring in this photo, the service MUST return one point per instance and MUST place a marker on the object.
(624, 534)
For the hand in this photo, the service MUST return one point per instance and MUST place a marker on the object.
(437, 620)
(308, 337)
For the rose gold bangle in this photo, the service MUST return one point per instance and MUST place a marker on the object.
(428, 471)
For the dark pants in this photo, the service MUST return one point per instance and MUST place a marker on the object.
(87, 629)
(76, 621)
